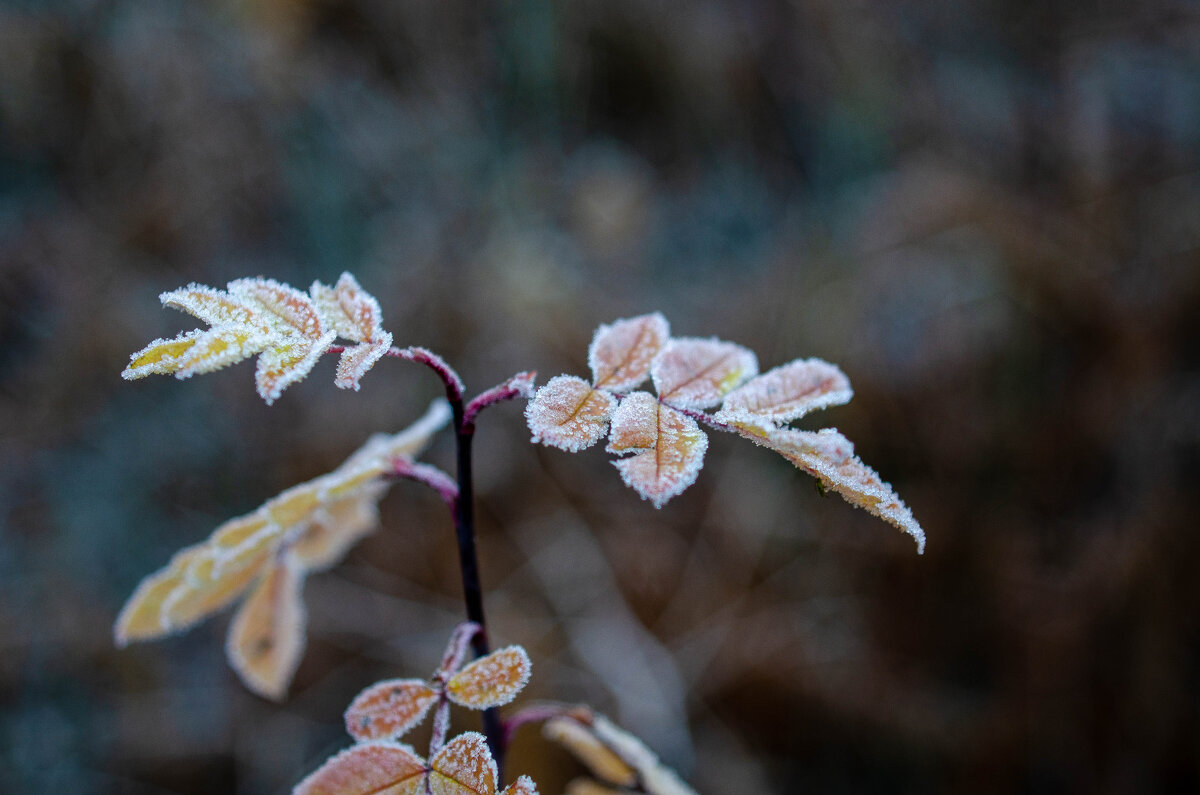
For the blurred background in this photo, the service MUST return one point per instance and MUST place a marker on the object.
(987, 213)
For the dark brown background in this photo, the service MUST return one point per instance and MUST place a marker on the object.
(987, 213)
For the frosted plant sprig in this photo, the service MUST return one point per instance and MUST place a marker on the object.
(658, 436)
(387, 710)
(288, 329)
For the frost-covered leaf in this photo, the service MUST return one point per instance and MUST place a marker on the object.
(358, 359)
(672, 461)
(289, 311)
(634, 424)
(387, 710)
(492, 680)
(287, 361)
(195, 352)
(789, 392)
(338, 526)
(266, 637)
(620, 354)
(374, 768)
(522, 786)
(141, 618)
(349, 310)
(829, 456)
(578, 738)
(464, 766)
(697, 373)
(569, 414)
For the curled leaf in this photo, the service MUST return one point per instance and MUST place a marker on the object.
(387, 710)
(614, 755)
(492, 680)
(789, 391)
(568, 413)
(578, 738)
(620, 353)
(373, 768)
(266, 638)
(358, 359)
(829, 456)
(697, 373)
(464, 766)
(675, 454)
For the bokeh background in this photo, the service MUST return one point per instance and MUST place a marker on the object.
(987, 213)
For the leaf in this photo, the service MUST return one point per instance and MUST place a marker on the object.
(141, 617)
(374, 768)
(620, 354)
(789, 391)
(464, 766)
(568, 413)
(697, 373)
(656, 778)
(286, 362)
(829, 456)
(675, 454)
(634, 424)
(578, 738)
(349, 310)
(338, 526)
(358, 359)
(522, 786)
(266, 637)
(387, 710)
(492, 680)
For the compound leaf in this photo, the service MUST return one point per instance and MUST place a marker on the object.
(620, 353)
(373, 768)
(266, 637)
(672, 462)
(697, 373)
(492, 680)
(387, 710)
(464, 766)
(789, 391)
(568, 413)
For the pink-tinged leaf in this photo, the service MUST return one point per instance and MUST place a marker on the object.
(266, 637)
(358, 359)
(789, 392)
(697, 373)
(387, 710)
(829, 456)
(374, 768)
(620, 354)
(287, 362)
(349, 310)
(569, 414)
(464, 766)
(660, 473)
(290, 311)
(456, 648)
(522, 786)
(491, 681)
(578, 738)
(634, 424)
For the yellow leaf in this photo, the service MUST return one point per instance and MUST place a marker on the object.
(387, 710)
(266, 637)
(337, 527)
(289, 361)
(568, 413)
(578, 738)
(620, 354)
(374, 768)
(492, 680)
(614, 755)
(141, 617)
(522, 786)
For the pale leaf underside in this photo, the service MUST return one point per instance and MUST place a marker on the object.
(789, 392)
(266, 637)
(387, 710)
(673, 456)
(373, 768)
(492, 680)
(620, 353)
(698, 373)
(568, 413)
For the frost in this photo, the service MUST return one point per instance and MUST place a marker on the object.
(374, 768)
(464, 766)
(789, 391)
(569, 414)
(491, 681)
(697, 373)
(620, 354)
(348, 309)
(266, 637)
(388, 709)
(634, 424)
(672, 464)
(522, 786)
(358, 359)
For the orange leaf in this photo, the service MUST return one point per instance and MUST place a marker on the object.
(634, 424)
(338, 526)
(291, 311)
(568, 413)
(522, 786)
(829, 456)
(464, 766)
(597, 742)
(674, 459)
(492, 680)
(387, 710)
(348, 309)
(286, 362)
(375, 768)
(789, 392)
(620, 354)
(697, 373)
(266, 638)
